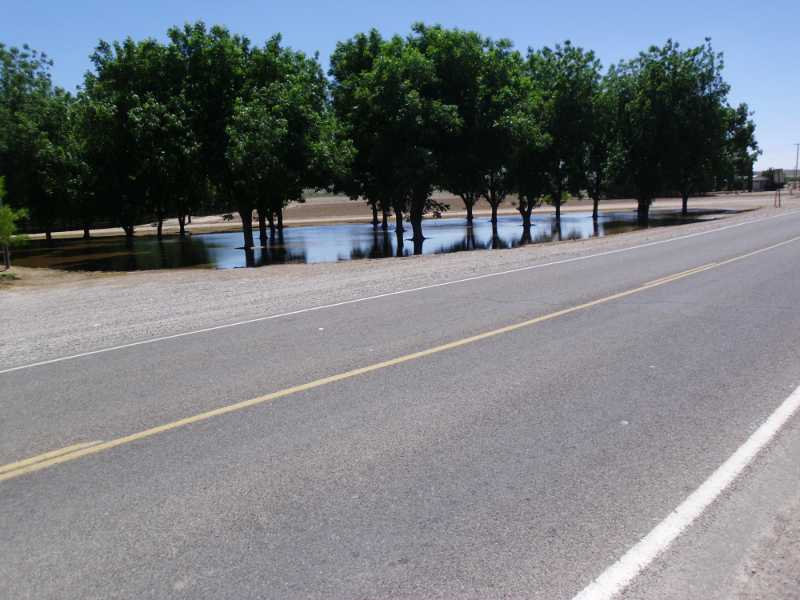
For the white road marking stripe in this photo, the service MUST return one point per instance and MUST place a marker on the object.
(384, 295)
(619, 575)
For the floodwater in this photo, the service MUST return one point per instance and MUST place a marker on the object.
(328, 243)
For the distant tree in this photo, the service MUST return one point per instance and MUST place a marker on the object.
(214, 68)
(773, 178)
(695, 132)
(32, 135)
(484, 80)
(740, 149)
(640, 154)
(125, 75)
(528, 165)
(568, 78)
(601, 128)
(350, 63)
(399, 94)
(257, 133)
(283, 138)
(168, 157)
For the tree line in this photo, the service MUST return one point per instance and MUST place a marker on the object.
(208, 121)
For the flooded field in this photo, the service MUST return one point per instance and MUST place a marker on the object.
(328, 243)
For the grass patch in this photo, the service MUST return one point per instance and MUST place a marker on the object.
(7, 277)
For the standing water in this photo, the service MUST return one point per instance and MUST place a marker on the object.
(327, 243)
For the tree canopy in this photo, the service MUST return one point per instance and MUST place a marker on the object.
(209, 121)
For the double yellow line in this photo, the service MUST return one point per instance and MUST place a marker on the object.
(70, 453)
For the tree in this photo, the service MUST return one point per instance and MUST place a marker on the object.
(527, 171)
(168, 156)
(601, 130)
(568, 78)
(350, 62)
(33, 135)
(697, 97)
(125, 75)
(8, 225)
(640, 156)
(485, 81)
(740, 149)
(399, 95)
(213, 65)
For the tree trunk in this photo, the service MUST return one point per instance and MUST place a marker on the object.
(527, 238)
(48, 235)
(494, 213)
(128, 229)
(495, 237)
(469, 239)
(685, 203)
(374, 207)
(262, 228)
(398, 221)
(280, 219)
(7, 257)
(385, 219)
(247, 228)
(595, 207)
(182, 225)
(526, 217)
(160, 228)
(400, 244)
(416, 224)
(643, 211)
(86, 229)
(249, 254)
(469, 202)
(189, 218)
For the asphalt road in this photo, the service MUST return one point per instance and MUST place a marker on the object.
(520, 464)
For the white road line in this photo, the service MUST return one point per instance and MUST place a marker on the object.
(385, 295)
(619, 575)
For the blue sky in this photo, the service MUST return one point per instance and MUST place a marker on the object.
(761, 41)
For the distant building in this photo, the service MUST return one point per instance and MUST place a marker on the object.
(768, 180)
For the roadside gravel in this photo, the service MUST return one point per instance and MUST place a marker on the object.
(78, 313)
(773, 571)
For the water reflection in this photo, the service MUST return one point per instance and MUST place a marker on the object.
(327, 243)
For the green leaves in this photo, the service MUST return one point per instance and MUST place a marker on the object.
(673, 122)
(157, 125)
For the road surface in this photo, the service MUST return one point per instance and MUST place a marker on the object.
(507, 436)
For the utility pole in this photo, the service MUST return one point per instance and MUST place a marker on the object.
(796, 160)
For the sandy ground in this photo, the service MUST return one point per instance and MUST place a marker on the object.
(337, 209)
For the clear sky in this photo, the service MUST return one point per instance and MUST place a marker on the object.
(761, 40)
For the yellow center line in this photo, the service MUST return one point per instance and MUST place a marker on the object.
(40, 457)
(71, 453)
(680, 275)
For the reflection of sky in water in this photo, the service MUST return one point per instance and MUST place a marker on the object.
(326, 243)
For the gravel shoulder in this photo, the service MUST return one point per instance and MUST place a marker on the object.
(47, 314)
(773, 569)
